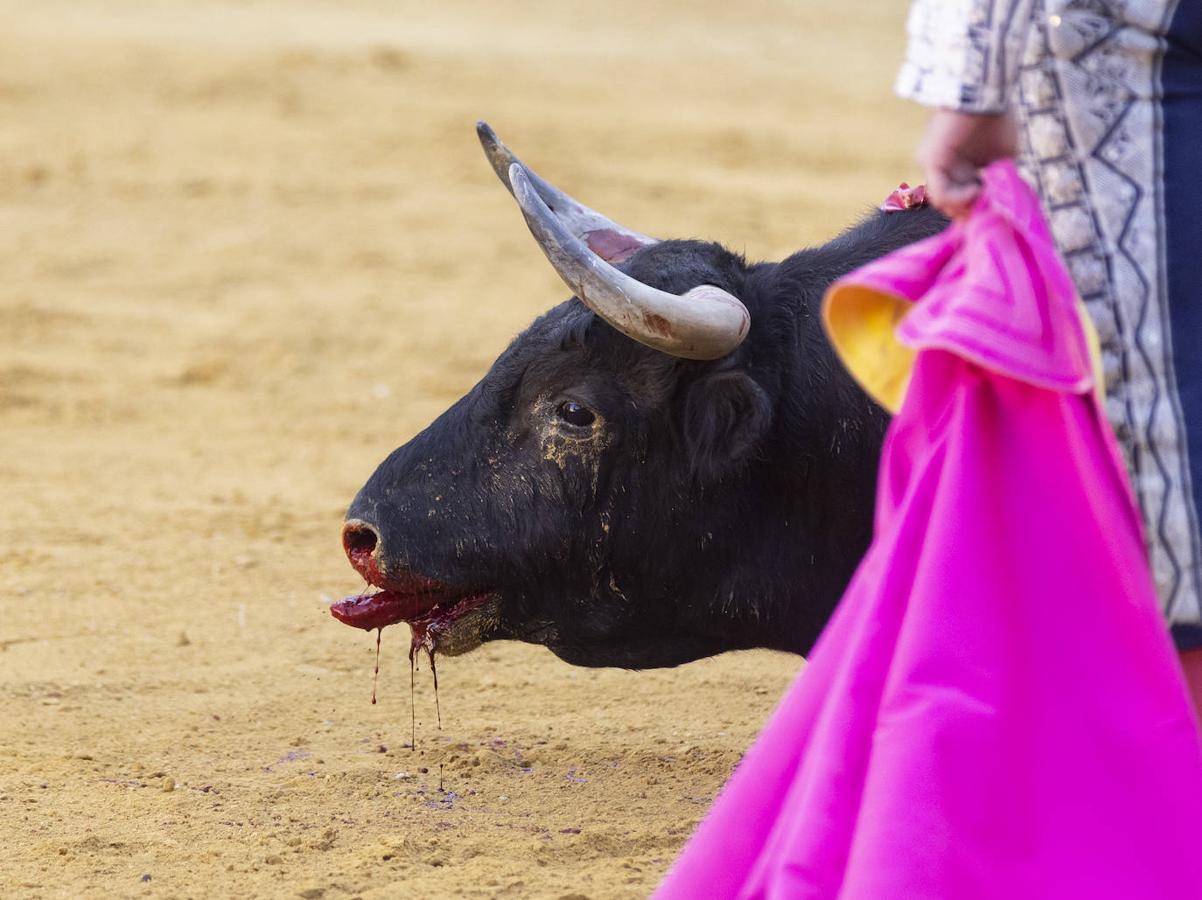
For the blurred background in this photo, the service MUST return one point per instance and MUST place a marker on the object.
(247, 249)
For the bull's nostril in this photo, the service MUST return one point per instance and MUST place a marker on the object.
(359, 539)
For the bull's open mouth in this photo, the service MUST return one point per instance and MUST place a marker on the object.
(432, 617)
(442, 618)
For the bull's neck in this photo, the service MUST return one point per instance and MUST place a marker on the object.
(815, 486)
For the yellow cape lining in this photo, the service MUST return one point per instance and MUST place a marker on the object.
(862, 325)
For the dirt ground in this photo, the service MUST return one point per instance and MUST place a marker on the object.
(250, 247)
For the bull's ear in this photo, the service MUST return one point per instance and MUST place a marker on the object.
(726, 416)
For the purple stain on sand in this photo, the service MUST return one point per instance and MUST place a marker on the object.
(574, 778)
(289, 757)
(447, 801)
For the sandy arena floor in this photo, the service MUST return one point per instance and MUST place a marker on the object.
(250, 247)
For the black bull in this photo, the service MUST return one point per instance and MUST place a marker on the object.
(628, 507)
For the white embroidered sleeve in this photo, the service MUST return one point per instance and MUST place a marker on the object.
(964, 54)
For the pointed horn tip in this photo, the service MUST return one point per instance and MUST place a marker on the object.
(493, 147)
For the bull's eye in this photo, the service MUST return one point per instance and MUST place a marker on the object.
(575, 414)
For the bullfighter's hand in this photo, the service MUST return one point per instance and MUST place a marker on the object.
(955, 147)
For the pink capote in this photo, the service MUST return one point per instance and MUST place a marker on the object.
(995, 709)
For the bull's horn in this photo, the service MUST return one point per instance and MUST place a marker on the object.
(604, 237)
(704, 323)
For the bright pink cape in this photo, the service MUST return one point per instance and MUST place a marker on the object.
(995, 709)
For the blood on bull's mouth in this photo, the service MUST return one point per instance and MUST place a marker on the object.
(403, 596)
(428, 613)
(430, 607)
(380, 609)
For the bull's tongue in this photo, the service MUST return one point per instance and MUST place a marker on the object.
(369, 611)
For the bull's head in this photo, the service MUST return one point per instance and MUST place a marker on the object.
(631, 483)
